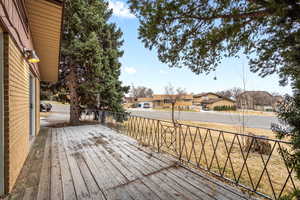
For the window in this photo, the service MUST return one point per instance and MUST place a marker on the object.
(167, 100)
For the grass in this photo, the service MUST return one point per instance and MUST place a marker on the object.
(232, 128)
(55, 102)
(176, 110)
(193, 148)
(250, 112)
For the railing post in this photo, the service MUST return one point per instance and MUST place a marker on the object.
(103, 120)
(180, 145)
(158, 145)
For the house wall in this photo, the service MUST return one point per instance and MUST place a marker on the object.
(1, 113)
(255, 100)
(14, 19)
(220, 103)
(16, 101)
(179, 103)
(198, 100)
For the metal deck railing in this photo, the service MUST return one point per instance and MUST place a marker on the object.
(257, 164)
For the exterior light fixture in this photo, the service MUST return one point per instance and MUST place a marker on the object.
(31, 56)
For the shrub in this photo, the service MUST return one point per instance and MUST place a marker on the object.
(224, 108)
(269, 110)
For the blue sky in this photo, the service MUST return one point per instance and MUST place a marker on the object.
(141, 67)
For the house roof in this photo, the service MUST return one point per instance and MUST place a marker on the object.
(144, 99)
(166, 96)
(45, 21)
(211, 101)
(255, 93)
(130, 99)
(220, 97)
(204, 94)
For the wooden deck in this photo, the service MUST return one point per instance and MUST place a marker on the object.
(94, 162)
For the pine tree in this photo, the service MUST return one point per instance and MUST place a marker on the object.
(90, 53)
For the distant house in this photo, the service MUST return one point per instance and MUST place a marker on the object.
(218, 102)
(146, 102)
(129, 100)
(255, 100)
(207, 101)
(164, 101)
(199, 98)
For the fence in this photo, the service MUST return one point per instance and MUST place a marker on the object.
(257, 164)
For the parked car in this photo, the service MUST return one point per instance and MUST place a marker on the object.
(45, 107)
(146, 105)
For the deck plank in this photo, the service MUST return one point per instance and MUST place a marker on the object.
(202, 182)
(95, 162)
(177, 182)
(79, 184)
(113, 174)
(176, 185)
(102, 180)
(168, 190)
(66, 177)
(94, 190)
(44, 184)
(56, 184)
(29, 193)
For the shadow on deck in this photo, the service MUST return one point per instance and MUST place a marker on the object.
(94, 162)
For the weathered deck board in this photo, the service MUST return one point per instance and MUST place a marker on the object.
(56, 184)
(44, 184)
(66, 176)
(94, 162)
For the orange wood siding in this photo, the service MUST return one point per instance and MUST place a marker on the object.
(13, 18)
(45, 20)
(16, 101)
(220, 103)
(199, 100)
(179, 103)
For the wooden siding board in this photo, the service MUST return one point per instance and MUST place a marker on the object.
(45, 24)
(17, 111)
(17, 27)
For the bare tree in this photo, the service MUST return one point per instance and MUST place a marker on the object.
(225, 93)
(140, 92)
(236, 91)
(232, 93)
(173, 95)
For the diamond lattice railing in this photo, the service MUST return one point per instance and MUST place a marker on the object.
(255, 163)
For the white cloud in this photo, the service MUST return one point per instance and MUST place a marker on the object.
(120, 9)
(130, 70)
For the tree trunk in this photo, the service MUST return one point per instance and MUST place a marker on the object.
(173, 109)
(74, 100)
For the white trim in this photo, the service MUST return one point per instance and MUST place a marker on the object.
(1, 113)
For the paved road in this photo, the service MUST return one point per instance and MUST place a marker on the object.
(60, 112)
(251, 121)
